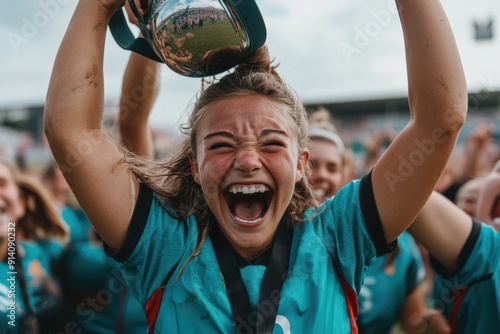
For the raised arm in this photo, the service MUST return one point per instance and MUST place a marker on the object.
(139, 91)
(475, 149)
(488, 204)
(89, 160)
(407, 172)
(442, 228)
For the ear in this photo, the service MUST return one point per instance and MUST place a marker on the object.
(194, 167)
(302, 164)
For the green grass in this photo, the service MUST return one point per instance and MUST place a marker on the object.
(213, 35)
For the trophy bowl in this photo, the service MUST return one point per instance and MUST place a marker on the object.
(194, 38)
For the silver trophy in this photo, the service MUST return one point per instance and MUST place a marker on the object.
(195, 38)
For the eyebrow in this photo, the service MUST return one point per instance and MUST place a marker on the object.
(270, 131)
(220, 133)
(230, 135)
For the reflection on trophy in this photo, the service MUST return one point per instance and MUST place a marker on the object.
(196, 38)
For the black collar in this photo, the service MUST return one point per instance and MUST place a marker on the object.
(262, 259)
(277, 258)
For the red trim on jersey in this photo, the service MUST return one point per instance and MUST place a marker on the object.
(351, 299)
(153, 308)
(460, 295)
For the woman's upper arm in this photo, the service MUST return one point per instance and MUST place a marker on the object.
(443, 229)
(89, 160)
(408, 171)
(141, 73)
(103, 186)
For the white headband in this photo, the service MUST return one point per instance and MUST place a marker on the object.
(328, 135)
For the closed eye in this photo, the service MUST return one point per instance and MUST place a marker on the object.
(220, 145)
(274, 143)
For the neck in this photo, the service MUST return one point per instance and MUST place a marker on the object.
(251, 253)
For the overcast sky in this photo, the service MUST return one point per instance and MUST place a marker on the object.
(328, 51)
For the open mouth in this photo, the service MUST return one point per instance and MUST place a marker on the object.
(319, 193)
(249, 203)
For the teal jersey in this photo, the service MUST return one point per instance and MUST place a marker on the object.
(387, 285)
(97, 298)
(79, 226)
(330, 252)
(53, 249)
(470, 296)
(35, 269)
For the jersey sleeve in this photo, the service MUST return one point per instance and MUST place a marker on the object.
(154, 244)
(479, 258)
(352, 230)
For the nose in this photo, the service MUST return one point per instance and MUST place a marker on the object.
(248, 161)
(319, 172)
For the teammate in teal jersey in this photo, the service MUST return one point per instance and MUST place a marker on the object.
(25, 300)
(30, 222)
(399, 274)
(466, 256)
(457, 294)
(98, 300)
(226, 235)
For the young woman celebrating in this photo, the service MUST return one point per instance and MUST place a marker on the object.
(226, 236)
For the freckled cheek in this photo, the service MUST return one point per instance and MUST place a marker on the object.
(218, 167)
(279, 164)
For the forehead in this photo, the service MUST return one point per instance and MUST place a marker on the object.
(5, 172)
(246, 115)
(324, 150)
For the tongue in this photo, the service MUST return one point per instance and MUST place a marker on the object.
(248, 209)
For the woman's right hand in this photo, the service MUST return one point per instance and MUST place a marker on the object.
(131, 17)
(112, 5)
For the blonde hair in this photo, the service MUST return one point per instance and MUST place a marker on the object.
(172, 180)
(321, 118)
(42, 219)
(322, 127)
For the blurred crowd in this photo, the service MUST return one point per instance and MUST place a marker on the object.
(66, 283)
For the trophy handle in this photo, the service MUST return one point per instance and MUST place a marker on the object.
(120, 30)
(253, 22)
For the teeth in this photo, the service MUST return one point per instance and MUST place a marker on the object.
(249, 190)
(247, 221)
(318, 192)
